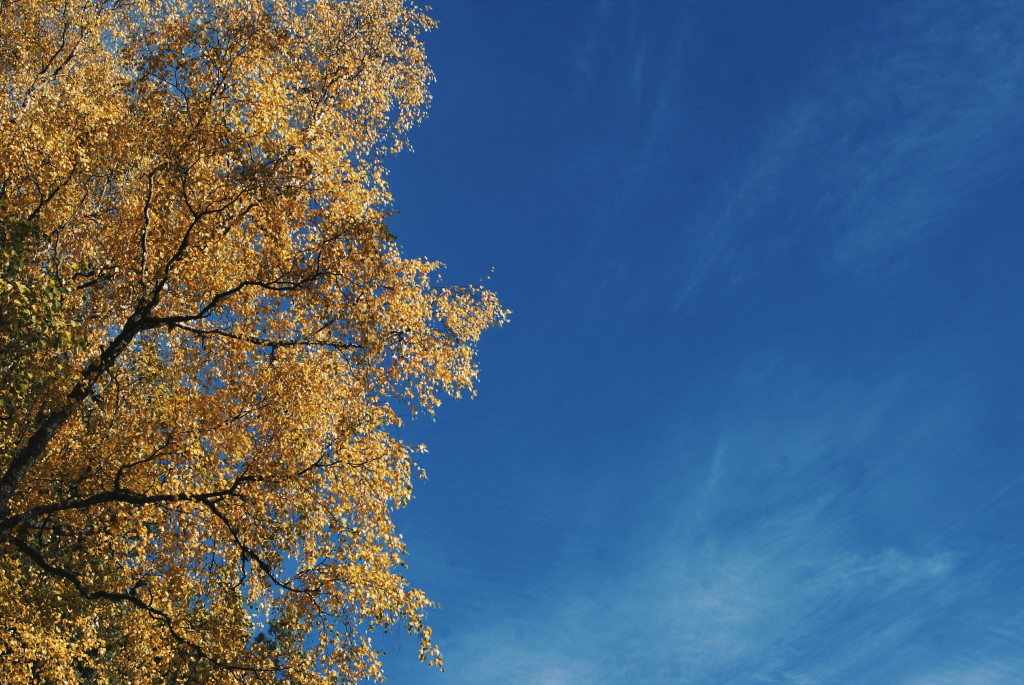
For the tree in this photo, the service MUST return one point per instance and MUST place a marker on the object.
(208, 336)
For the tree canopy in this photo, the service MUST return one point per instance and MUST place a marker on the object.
(208, 336)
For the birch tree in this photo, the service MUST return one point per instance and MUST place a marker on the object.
(208, 337)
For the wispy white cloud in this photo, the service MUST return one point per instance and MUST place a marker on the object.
(588, 48)
(923, 136)
(1003, 670)
(886, 139)
(759, 572)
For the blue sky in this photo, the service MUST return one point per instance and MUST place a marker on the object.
(757, 417)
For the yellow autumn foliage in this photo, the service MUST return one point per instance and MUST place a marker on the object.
(208, 337)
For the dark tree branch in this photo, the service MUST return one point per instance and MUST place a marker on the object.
(131, 597)
(124, 496)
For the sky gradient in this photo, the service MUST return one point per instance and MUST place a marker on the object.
(757, 417)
